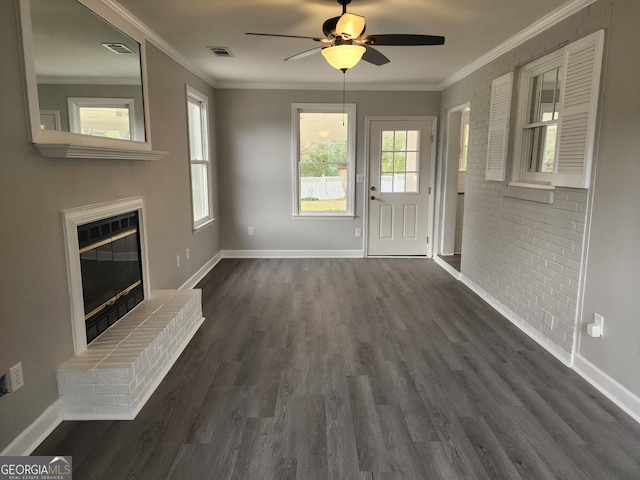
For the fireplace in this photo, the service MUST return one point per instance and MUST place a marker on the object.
(106, 252)
(111, 270)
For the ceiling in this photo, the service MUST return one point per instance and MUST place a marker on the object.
(472, 29)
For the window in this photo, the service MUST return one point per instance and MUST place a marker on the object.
(464, 140)
(555, 126)
(103, 117)
(324, 158)
(540, 84)
(201, 185)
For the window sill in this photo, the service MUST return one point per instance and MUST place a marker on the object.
(324, 217)
(202, 226)
(531, 192)
(533, 185)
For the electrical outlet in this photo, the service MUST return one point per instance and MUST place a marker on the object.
(250, 231)
(16, 380)
(599, 320)
(187, 254)
(358, 232)
(177, 260)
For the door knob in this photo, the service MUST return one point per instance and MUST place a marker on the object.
(373, 197)
(373, 189)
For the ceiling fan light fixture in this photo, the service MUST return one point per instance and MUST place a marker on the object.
(343, 57)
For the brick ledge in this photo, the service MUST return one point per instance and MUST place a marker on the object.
(117, 374)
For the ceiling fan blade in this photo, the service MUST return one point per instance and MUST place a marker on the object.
(317, 39)
(306, 53)
(372, 55)
(350, 25)
(329, 26)
(401, 39)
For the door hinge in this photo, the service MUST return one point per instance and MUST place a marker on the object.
(429, 190)
(432, 138)
(427, 240)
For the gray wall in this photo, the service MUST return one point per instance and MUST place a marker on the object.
(256, 179)
(34, 298)
(613, 265)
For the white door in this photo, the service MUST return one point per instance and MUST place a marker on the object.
(399, 181)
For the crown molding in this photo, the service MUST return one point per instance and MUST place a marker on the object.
(549, 20)
(157, 40)
(351, 87)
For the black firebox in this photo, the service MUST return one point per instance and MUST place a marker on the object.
(111, 270)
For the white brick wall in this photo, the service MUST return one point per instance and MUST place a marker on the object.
(524, 252)
(121, 368)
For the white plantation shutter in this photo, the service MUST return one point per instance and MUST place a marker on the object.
(499, 127)
(577, 126)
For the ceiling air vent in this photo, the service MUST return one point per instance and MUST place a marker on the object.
(118, 48)
(221, 51)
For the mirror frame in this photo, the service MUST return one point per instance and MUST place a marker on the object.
(60, 144)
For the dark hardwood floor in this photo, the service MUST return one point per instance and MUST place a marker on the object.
(357, 369)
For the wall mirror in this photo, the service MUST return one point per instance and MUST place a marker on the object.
(85, 81)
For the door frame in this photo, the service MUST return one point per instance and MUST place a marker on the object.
(432, 167)
(447, 199)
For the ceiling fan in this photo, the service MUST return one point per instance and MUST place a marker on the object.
(345, 43)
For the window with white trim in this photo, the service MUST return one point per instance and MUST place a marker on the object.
(199, 156)
(103, 117)
(537, 130)
(556, 115)
(324, 159)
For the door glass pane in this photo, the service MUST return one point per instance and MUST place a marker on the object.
(387, 162)
(386, 183)
(400, 155)
(398, 182)
(412, 140)
(411, 182)
(387, 141)
(400, 142)
(412, 161)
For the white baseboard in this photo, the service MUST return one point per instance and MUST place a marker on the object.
(452, 271)
(202, 272)
(609, 387)
(293, 254)
(562, 355)
(34, 434)
(613, 390)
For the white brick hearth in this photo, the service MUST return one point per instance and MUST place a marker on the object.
(119, 371)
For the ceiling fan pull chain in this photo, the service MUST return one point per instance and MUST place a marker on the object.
(344, 86)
